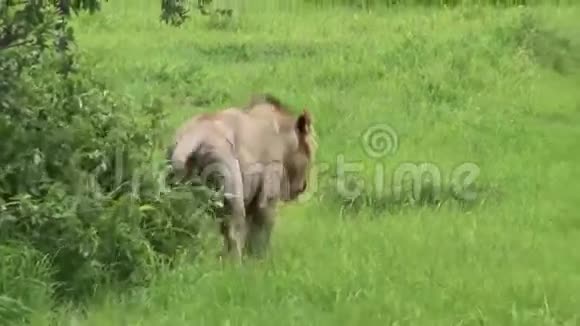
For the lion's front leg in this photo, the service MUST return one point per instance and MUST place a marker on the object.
(260, 230)
(264, 212)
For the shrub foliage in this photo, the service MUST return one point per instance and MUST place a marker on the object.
(81, 174)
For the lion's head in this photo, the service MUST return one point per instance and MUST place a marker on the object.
(300, 144)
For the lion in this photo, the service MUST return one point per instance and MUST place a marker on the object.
(261, 154)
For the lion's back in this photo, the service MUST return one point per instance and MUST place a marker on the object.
(254, 138)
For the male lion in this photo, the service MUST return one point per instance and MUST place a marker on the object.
(262, 154)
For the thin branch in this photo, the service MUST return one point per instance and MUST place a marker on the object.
(15, 44)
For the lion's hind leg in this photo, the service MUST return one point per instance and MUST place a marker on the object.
(234, 228)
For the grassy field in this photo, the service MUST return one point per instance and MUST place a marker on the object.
(494, 87)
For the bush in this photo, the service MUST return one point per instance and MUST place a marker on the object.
(81, 181)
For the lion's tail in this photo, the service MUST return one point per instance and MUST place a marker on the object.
(183, 150)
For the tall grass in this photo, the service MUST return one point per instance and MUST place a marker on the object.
(494, 86)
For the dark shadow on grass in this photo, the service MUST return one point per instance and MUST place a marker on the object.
(550, 48)
(260, 51)
(405, 199)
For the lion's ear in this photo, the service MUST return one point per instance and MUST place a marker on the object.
(303, 122)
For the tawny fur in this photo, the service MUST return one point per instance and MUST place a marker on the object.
(264, 152)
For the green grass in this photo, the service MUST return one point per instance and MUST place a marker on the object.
(497, 87)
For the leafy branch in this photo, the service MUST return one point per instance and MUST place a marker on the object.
(176, 12)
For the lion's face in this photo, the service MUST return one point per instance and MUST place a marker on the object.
(298, 163)
(298, 170)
